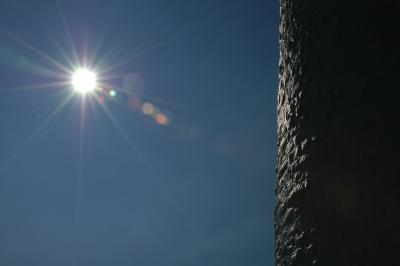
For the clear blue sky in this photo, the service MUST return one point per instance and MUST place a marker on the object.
(86, 190)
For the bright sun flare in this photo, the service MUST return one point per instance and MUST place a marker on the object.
(84, 81)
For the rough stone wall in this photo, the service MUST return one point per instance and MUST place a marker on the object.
(338, 189)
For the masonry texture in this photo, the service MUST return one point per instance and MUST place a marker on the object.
(338, 188)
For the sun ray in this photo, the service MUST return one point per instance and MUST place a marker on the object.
(118, 52)
(134, 45)
(35, 87)
(113, 55)
(35, 50)
(15, 154)
(67, 32)
(91, 105)
(81, 130)
(11, 58)
(124, 58)
(64, 54)
(107, 77)
(127, 59)
(79, 177)
(97, 48)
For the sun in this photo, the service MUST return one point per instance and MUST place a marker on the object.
(84, 81)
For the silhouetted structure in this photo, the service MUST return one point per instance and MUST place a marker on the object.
(338, 168)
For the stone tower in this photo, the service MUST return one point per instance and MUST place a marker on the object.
(338, 188)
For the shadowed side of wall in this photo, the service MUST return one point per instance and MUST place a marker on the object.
(338, 168)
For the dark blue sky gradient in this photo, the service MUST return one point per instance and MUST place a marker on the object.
(199, 191)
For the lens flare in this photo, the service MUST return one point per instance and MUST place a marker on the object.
(113, 93)
(148, 108)
(162, 119)
(84, 81)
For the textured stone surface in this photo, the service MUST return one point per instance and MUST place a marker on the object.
(338, 189)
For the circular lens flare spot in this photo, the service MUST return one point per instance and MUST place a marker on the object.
(84, 81)
(148, 108)
(113, 93)
(162, 119)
